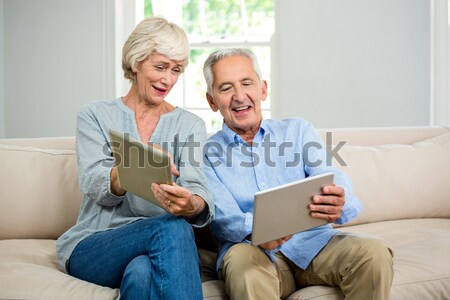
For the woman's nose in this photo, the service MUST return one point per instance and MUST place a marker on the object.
(167, 78)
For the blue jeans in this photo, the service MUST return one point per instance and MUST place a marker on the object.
(155, 258)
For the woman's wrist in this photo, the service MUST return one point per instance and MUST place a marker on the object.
(198, 205)
(116, 189)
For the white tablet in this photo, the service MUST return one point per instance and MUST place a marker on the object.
(139, 165)
(283, 210)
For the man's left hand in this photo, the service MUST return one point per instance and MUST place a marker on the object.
(329, 205)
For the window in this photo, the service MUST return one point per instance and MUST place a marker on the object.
(211, 25)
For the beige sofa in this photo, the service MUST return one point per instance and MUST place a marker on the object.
(402, 176)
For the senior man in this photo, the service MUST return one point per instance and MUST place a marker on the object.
(239, 163)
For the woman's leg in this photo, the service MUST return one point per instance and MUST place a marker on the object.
(166, 240)
(136, 280)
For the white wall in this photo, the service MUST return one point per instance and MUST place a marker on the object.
(336, 63)
(2, 88)
(440, 71)
(56, 58)
(353, 63)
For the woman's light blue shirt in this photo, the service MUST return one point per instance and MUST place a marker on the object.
(180, 132)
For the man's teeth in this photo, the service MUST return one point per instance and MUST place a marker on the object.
(241, 108)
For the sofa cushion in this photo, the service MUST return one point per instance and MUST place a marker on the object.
(400, 181)
(29, 270)
(40, 193)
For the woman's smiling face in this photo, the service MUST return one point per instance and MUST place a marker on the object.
(156, 76)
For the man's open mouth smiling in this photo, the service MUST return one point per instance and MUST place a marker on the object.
(241, 108)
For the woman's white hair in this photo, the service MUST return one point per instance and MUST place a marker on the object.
(217, 55)
(154, 35)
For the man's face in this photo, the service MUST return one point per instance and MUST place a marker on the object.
(237, 93)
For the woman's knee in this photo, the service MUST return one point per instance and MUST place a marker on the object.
(178, 229)
(169, 226)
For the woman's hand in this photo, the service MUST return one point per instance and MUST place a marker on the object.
(116, 189)
(175, 172)
(177, 200)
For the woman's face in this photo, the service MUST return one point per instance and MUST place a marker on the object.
(156, 76)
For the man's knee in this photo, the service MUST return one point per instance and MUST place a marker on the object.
(374, 253)
(381, 257)
(244, 254)
(376, 250)
(249, 273)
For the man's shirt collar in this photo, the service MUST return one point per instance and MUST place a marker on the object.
(232, 137)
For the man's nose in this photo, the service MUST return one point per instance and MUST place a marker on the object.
(238, 94)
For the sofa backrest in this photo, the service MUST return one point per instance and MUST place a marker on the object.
(398, 173)
(39, 189)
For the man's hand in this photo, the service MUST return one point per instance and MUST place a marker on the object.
(276, 243)
(329, 205)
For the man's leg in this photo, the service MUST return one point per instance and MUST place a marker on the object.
(249, 274)
(361, 266)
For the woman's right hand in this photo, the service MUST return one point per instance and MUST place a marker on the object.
(116, 189)
(175, 172)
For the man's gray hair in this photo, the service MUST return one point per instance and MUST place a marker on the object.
(217, 55)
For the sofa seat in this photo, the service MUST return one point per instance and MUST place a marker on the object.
(413, 241)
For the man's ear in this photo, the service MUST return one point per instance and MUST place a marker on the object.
(264, 90)
(211, 102)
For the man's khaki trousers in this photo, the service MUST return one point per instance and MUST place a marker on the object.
(360, 266)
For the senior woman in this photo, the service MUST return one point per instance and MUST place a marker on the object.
(121, 240)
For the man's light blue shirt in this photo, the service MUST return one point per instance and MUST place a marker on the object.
(281, 152)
